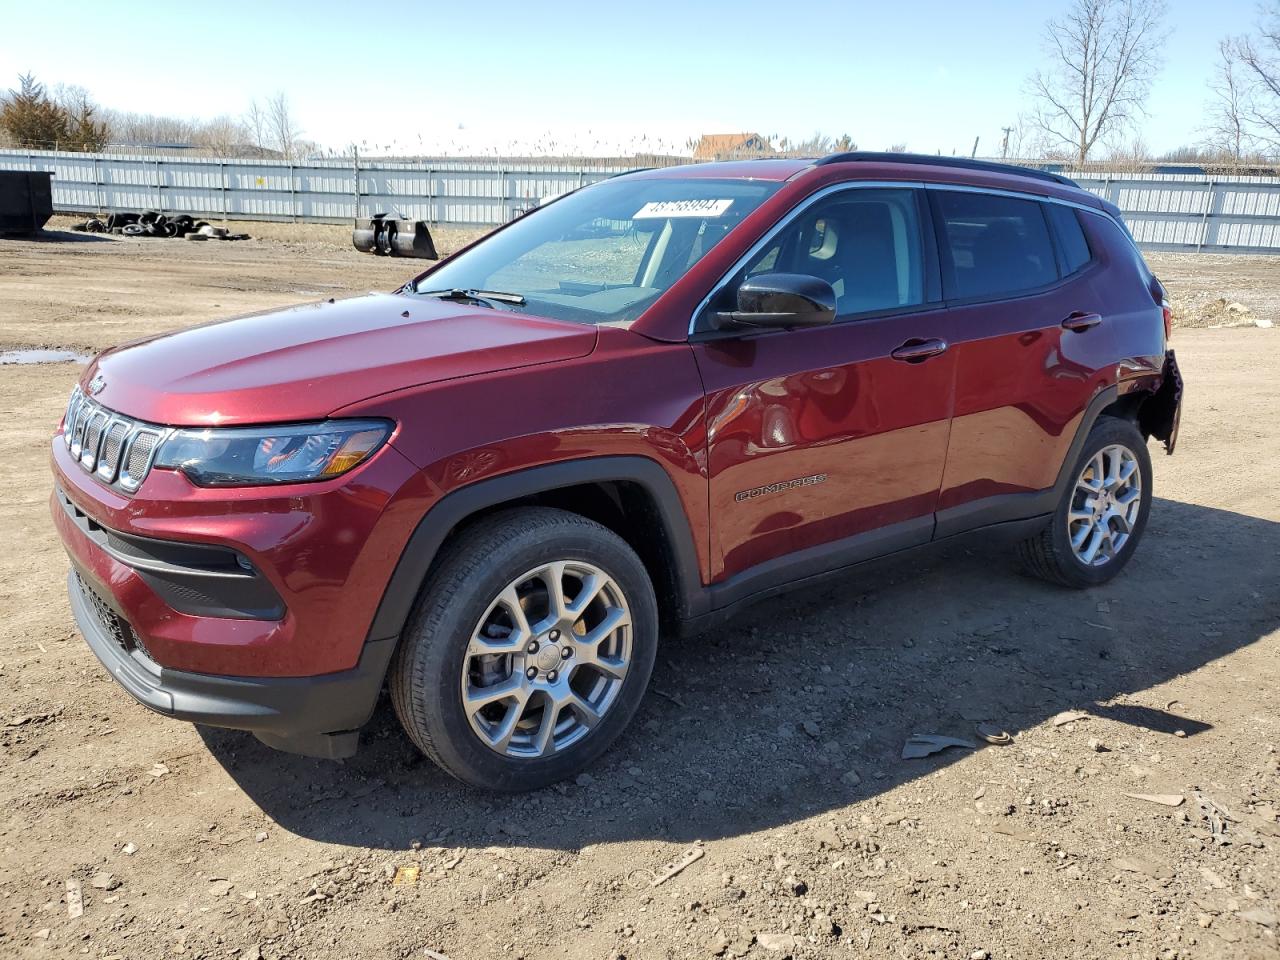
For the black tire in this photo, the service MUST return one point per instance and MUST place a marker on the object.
(472, 570)
(1049, 554)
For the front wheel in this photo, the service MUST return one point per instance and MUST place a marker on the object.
(1102, 514)
(529, 651)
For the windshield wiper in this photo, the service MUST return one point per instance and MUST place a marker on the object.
(498, 296)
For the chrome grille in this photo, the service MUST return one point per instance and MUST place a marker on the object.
(112, 444)
(140, 455)
(92, 438)
(77, 428)
(118, 450)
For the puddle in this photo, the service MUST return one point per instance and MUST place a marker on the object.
(23, 357)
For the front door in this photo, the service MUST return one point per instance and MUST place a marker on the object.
(826, 445)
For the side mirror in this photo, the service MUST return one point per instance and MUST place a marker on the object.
(781, 300)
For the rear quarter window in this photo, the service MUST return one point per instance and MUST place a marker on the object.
(993, 246)
(1073, 248)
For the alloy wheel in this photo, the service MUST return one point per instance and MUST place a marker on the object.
(1105, 505)
(547, 660)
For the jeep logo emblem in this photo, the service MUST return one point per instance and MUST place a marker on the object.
(96, 385)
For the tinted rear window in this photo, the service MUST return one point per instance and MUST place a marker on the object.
(1073, 248)
(994, 246)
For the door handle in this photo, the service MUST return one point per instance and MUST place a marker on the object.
(916, 350)
(1079, 321)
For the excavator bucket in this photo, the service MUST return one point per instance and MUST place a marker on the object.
(413, 239)
(389, 237)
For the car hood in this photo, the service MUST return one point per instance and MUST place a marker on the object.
(304, 362)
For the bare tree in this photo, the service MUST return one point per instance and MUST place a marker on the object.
(1259, 64)
(283, 128)
(1023, 139)
(1132, 154)
(1102, 57)
(149, 129)
(255, 121)
(1228, 129)
(222, 136)
(72, 98)
(86, 130)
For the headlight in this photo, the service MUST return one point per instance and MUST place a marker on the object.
(250, 456)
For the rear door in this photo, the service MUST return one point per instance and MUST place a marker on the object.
(1031, 342)
(823, 446)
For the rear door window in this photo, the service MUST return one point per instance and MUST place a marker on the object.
(1073, 248)
(993, 246)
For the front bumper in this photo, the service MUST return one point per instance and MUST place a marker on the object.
(241, 608)
(243, 582)
(317, 716)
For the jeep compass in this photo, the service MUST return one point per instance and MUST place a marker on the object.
(624, 415)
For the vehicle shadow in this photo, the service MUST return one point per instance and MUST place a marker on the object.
(757, 724)
(62, 236)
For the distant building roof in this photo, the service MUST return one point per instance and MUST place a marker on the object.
(724, 146)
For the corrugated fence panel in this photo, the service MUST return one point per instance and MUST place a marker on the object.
(1174, 211)
(1181, 199)
(1249, 200)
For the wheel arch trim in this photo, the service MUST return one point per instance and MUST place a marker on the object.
(457, 506)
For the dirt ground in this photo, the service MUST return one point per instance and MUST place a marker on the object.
(770, 747)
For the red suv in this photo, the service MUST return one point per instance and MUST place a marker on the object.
(626, 414)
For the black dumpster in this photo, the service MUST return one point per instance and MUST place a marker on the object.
(26, 200)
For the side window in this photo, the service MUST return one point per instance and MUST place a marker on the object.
(1073, 248)
(864, 242)
(993, 246)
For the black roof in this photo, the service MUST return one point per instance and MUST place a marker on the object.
(963, 163)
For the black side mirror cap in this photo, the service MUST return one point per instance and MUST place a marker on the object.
(780, 301)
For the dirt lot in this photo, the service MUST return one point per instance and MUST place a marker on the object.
(771, 746)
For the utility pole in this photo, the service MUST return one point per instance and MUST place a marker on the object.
(1004, 147)
(975, 147)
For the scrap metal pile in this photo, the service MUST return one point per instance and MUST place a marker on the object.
(154, 224)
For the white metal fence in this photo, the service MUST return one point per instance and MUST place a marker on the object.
(325, 191)
(1167, 211)
(1182, 211)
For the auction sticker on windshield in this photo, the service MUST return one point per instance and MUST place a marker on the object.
(683, 208)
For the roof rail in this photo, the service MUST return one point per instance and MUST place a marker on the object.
(964, 163)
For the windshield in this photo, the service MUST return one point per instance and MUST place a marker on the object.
(603, 253)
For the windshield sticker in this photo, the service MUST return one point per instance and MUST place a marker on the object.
(683, 208)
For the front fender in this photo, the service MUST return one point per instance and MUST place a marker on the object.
(451, 510)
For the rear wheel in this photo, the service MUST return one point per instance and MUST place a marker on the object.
(529, 651)
(1103, 511)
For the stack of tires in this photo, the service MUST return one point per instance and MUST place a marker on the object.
(155, 224)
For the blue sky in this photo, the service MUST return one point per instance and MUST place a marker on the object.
(500, 76)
